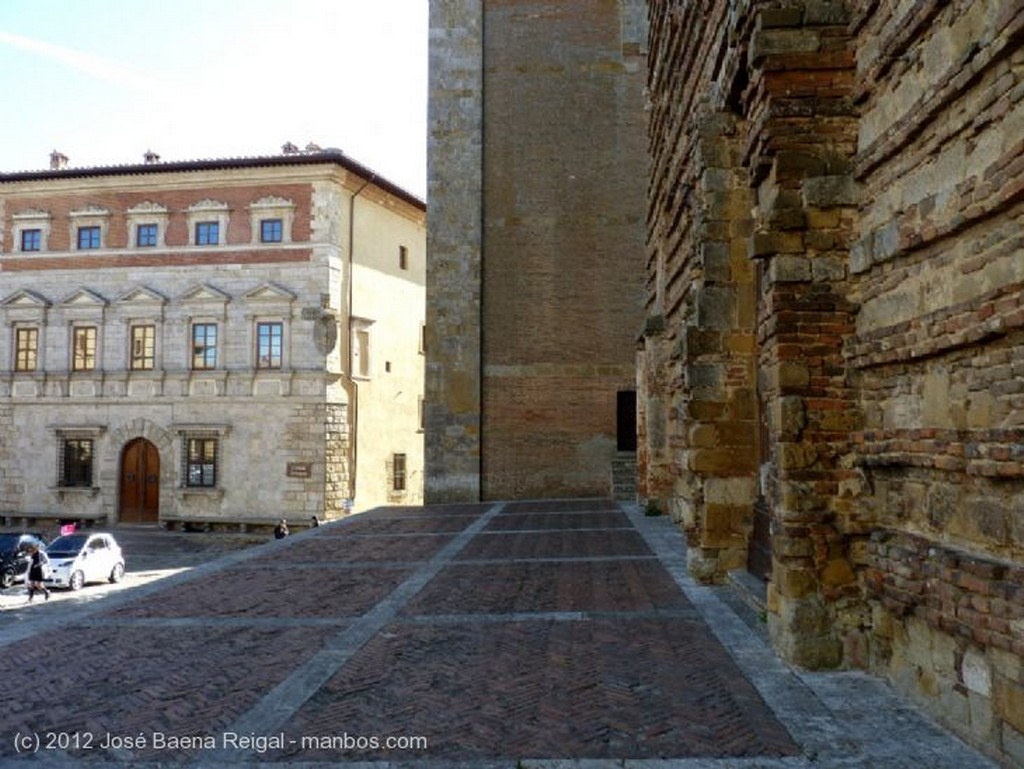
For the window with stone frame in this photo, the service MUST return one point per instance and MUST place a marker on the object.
(269, 344)
(201, 460)
(76, 463)
(271, 219)
(89, 227)
(147, 225)
(83, 348)
(204, 346)
(398, 472)
(208, 223)
(30, 230)
(26, 348)
(143, 348)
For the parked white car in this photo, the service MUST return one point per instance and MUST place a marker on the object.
(76, 559)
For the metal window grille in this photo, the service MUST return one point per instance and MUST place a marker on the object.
(201, 462)
(75, 462)
(398, 472)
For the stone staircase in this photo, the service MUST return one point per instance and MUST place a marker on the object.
(624, 476)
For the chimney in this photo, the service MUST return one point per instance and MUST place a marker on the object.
(58, 161)
(151, 157)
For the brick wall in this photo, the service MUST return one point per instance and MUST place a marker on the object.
(563, 240)
(834, 329)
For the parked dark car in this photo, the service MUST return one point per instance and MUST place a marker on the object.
(14, 555)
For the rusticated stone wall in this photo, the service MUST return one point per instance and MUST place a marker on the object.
(834, 330)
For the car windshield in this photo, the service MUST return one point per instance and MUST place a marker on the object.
(66, 547)
(9, 541)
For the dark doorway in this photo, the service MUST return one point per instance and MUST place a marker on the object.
(140, 483)
(759, 550)
(625, 438)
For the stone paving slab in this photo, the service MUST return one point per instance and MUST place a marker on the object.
(548, 634)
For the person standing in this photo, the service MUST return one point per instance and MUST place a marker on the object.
(38, 570)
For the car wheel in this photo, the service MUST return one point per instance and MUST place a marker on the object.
(117, 573)
(7, 578)
(76, 581)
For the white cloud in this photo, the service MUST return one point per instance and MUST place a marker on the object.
(85, 63)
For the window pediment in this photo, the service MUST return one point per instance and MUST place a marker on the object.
(205, 293)
(208, 204)
(89, 211)
(84, 299)
(25, 300)
(31, 214)
(148, 208)
(270, 292)
(272, 202)
(142, 295)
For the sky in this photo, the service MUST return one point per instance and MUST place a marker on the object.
(103, 81)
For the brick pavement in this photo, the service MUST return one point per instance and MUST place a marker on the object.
(548, 634)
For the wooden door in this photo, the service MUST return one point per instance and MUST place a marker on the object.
(140, 482)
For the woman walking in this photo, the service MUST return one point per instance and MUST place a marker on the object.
(39, 565)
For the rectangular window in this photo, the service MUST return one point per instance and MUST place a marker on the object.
(88, 237)
(363, 352)
(83, 348)
(143, 347)
(145, 235)
(26, 349)
(207, 233)
(398, 472)
(403, 258)
(31, 240)
(201, 462)
(77, 463)
(270, 231)
(268, 345)
(204, 346)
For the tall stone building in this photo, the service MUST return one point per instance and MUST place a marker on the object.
(832, 367)
(209, 341)
(536, 181)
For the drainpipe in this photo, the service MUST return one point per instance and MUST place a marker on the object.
(353, 386)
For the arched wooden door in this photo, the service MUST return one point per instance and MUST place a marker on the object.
(140, 483)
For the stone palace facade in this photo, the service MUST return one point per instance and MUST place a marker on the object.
(210, 341)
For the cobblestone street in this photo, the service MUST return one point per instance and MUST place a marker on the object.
(544, 634)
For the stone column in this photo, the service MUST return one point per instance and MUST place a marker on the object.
(454, 236)
(801, 149)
